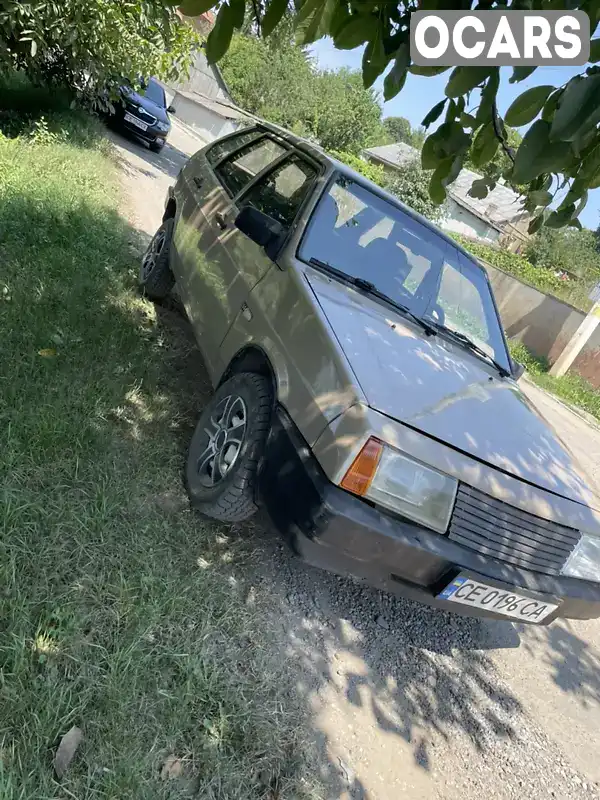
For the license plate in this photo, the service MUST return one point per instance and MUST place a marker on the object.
(474, 593)
(135, 121)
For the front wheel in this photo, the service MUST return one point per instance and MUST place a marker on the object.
(156, 147)
(226, 447)
(156, 279)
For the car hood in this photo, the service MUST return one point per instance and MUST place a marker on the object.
(152, 108)
(439, 388)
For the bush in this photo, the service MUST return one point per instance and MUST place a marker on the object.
(372, 172)
(571, 291)
(410, 184)
(533, 364)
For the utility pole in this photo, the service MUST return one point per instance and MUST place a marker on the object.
(577, 343)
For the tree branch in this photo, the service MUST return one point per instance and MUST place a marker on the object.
(498, 133)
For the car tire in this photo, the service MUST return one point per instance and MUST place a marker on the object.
(156, 279)
(226, 448)
(156, 148)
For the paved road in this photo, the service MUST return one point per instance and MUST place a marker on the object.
(398, 700)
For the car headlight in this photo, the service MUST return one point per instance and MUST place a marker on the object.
(394, 480)
(584, 561)
(163, 126)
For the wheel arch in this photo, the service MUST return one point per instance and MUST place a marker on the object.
(170, 209)
(251, 358)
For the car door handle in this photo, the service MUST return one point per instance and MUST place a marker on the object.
(220, 220)
(198, 182)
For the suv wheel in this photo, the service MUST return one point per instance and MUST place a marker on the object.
(226, 447)
(156, 278)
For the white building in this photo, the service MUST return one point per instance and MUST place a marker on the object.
(500, 214)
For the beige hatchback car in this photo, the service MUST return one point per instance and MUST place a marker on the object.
(364, 393)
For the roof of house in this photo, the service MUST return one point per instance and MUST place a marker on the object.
(502, 205)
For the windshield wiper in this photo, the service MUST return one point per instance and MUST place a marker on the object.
(471, 345)
(370, 288)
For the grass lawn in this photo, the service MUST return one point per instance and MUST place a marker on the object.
(571, 388)
(113, 615)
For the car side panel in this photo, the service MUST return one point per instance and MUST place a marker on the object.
(282, 318)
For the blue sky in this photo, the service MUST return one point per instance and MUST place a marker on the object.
(420, 94)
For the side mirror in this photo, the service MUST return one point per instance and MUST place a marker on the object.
(262, 229)
(518, 369)
(170, 109)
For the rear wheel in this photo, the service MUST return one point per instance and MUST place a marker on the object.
(226, 448)
(156, 279)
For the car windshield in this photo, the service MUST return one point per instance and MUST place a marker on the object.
(155, 93)
(365, 236)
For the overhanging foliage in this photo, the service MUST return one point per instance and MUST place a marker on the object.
(561, 149)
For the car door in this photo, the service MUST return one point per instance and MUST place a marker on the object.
(200, 195)
(279, 191)
(208, 276)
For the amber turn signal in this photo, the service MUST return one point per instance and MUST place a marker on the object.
(358, 478)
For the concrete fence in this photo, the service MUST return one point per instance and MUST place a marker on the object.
(543, 323)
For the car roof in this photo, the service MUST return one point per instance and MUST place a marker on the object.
(319, 154)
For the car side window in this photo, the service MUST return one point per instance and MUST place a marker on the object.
(281, 193)
(224, 148)
(237, 171)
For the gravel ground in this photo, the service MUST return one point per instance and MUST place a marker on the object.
(398, 700)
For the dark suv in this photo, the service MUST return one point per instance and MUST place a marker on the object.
(146, 113)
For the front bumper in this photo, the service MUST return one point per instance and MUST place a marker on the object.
(331, 528)
(152, 135)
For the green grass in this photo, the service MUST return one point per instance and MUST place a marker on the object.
(571, 388)
(118, 609)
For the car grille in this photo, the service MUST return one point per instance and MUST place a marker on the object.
(496, 529)
(141, 113)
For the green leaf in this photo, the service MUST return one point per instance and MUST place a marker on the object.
(357, 29)
(33, 48)
(447, 142)
(338, 19)
(527, 105)
(463, 79)
(578, 110)
(307, 29)
(591, 164)
(193, 8)
(306, 10)
(437, 190)
(536, 223)
(427, 72)
(220, 37)
(520, 73)
(550, 105)
(594, 51)
(396, 77)
(467, 120)
(479, 189)
(238, 10)
(374, 60)
(488, 97)
(484, 145)
(540, 197)
(537, 154)
(558, 219)
(273, 16)
(433, 114)
(576, 191)
(575, 223)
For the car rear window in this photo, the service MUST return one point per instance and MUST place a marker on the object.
(225, 147)
(238, 171)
